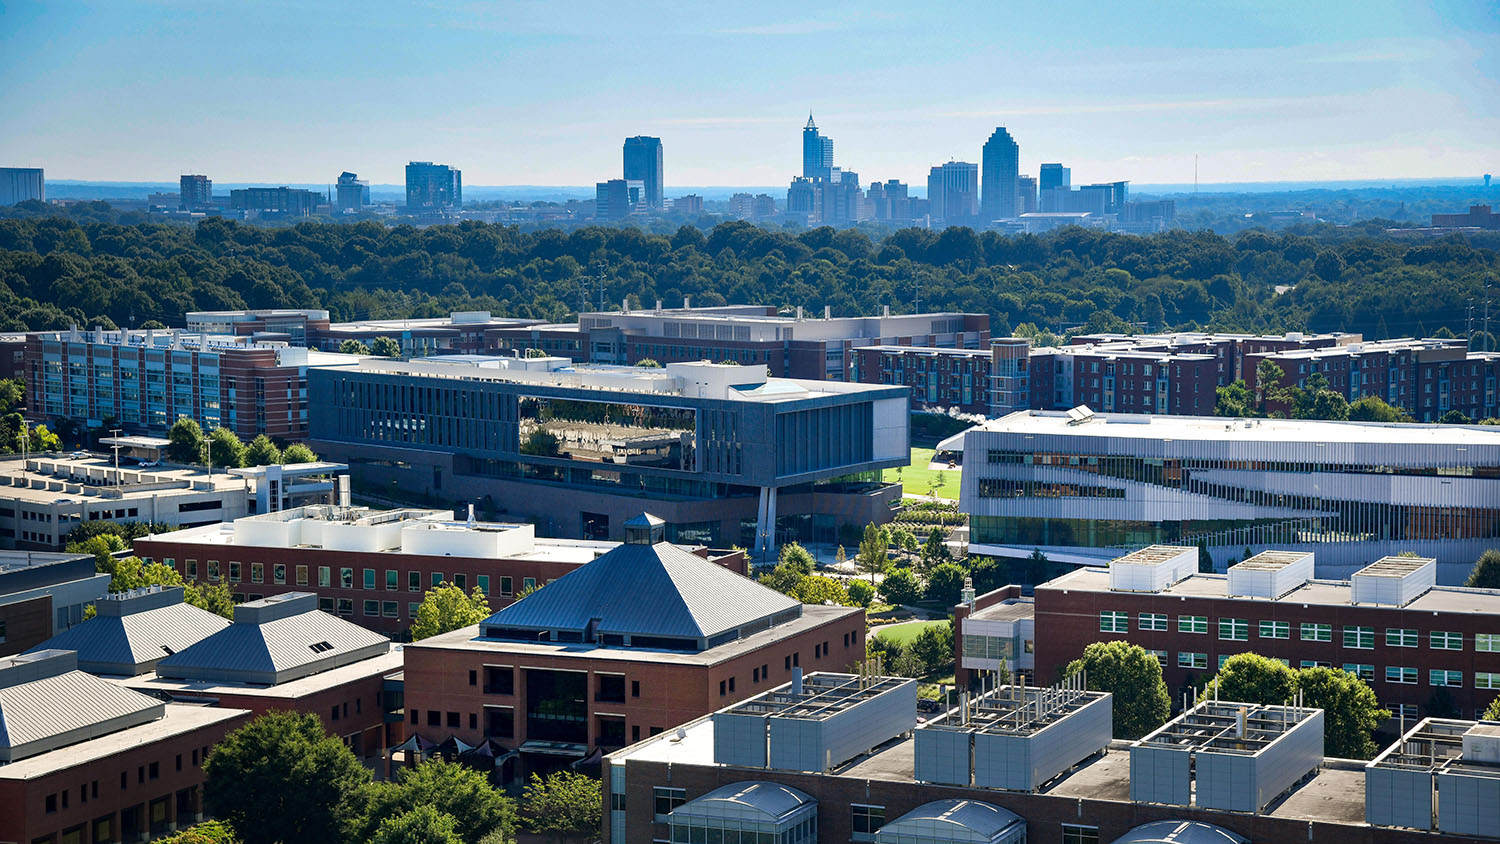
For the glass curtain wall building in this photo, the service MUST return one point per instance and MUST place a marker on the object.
(1083, 487)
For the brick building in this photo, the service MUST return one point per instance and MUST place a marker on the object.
(283, 653)
(1019, 764)
(1426, 378)
(373, 567)
(85, 760)
(576, 667)
(1417, 644)
(146, 380)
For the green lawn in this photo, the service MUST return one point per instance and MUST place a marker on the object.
(907, 632)
(916, 479)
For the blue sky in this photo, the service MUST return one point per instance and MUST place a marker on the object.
(543, 93)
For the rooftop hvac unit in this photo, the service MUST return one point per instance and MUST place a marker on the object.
(1482, 744)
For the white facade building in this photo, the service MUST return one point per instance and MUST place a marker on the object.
(1084, 487)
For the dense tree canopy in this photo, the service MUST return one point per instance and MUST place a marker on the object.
(55, 271)
(1133, 676)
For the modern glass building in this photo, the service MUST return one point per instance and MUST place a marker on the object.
(724, 452)
(1000, 181)
(643, 164)
(431, 185)
(1083, 487)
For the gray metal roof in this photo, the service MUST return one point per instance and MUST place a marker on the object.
(131, 640)
(1180, 832)
(272, 641)
(951, 820)
(771, 800)
(646, 590)
(58, 709)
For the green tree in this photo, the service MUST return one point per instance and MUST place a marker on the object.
(385, 347)
(1133, 676)
(418, 825)
(1492, 712)
(934, 647)
(784, 578)
(208, 832)
(649, 363)
(225, 449)
(817, 589)
(797, 557)
(535, 353)
(12, 393)
(40, 439)
(1454, 417)
(861, 593)
(1268, 389)
(541, 443)
(945, 583)
(1205, 559)
(1486, 571)
(132, 573)
(563, 805)
(282, 780)
(1374, 409)
(103, 546)
(935, 549)
(1234, 400)
(1315, 400)
(185, 441)
(263, 452)
(298, 453)
(458, 791)
(213, 597)
(900, 587)
(353, 347)
(874, 551)
(1252, 678)
(446, 608)
(1350, 711)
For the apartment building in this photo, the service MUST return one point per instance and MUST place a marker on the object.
(461, 332)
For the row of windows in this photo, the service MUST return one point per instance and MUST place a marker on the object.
(1238, 630)
(149, 772)
(213, 572)
(1405, 675)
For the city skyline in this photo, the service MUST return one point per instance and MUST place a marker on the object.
(1288, 95)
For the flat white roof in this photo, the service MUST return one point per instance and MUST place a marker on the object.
(1221, 429)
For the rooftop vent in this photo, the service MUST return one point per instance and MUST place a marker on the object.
(1270, 574)
(37, 665)
(285, 605)
(831, 719)
(1153, 568)
(1394, 581)
(645, 529)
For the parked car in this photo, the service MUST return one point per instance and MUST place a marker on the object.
(79, 455)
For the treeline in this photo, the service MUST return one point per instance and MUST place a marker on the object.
(56, 271)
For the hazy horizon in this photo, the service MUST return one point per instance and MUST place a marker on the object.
(543, 94)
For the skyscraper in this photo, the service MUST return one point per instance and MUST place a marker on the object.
(1001, 173)
(817, 152)
(18, 184)
(1026, 194)
(617, 199)
(953, 193)
(1055, 176)
(431, 185)
(195, 192)
(643, 164)
(353, 194)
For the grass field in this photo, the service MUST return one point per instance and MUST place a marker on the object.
(908, 631)
(916, 479)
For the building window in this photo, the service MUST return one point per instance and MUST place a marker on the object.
(1234, 629)
(1487, 642)
(390, 609)
(372, 608)
(1318, 663)
(414, 581)
(483, 582)
(1153, 621)
(1114, 622)
(1487, 679)
(392, 580)
(1396, 637)
(461, 581)
(1359, 637)
(528, 584)
(667, 799)
(1275, 630)
(1441, 641)
(499, 680)
(1398, 674)
(234, 572)
(369, 578)
(1079, 834)
(213, 570)
(346, 578)
(1359, 669)
(1188, 659)
(1192, 624)
(301, 575)
(325, 578)
(1405, 711)
(437, 579)
(258, 573)
(865, 821)
(1317, 632)
(505, 586)
(1439, 677)
(1161, 656)
(346, 606)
